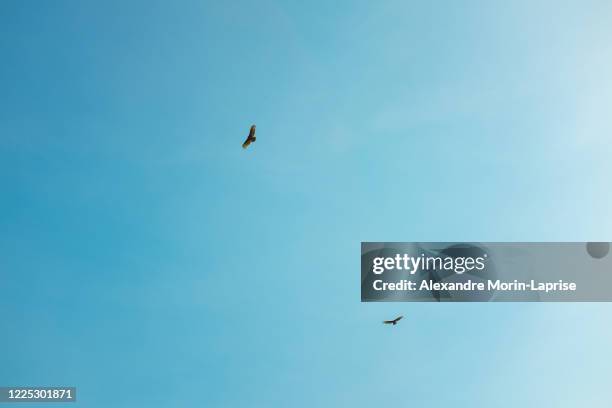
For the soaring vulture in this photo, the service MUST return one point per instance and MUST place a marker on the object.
(394, 321)
(250, 139)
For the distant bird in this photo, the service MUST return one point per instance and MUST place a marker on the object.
(394, 321)
(250, 139)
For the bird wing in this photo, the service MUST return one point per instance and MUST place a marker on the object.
(387, 321)
(252, 132)
(246, 143)
(397, 319)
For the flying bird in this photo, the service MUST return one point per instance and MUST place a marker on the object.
(250, 139)
(394, 321)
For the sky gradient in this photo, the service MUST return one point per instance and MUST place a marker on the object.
(148, 260)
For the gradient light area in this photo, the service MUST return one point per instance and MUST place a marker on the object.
(150, 261)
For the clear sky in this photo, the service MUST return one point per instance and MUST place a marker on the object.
(150, 261)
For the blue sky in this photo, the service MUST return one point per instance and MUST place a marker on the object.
(151, 262)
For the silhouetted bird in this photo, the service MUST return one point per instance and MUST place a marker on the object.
(250, 139)
(394, 321)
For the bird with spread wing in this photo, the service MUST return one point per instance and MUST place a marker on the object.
(394, 321)
(250, 139)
